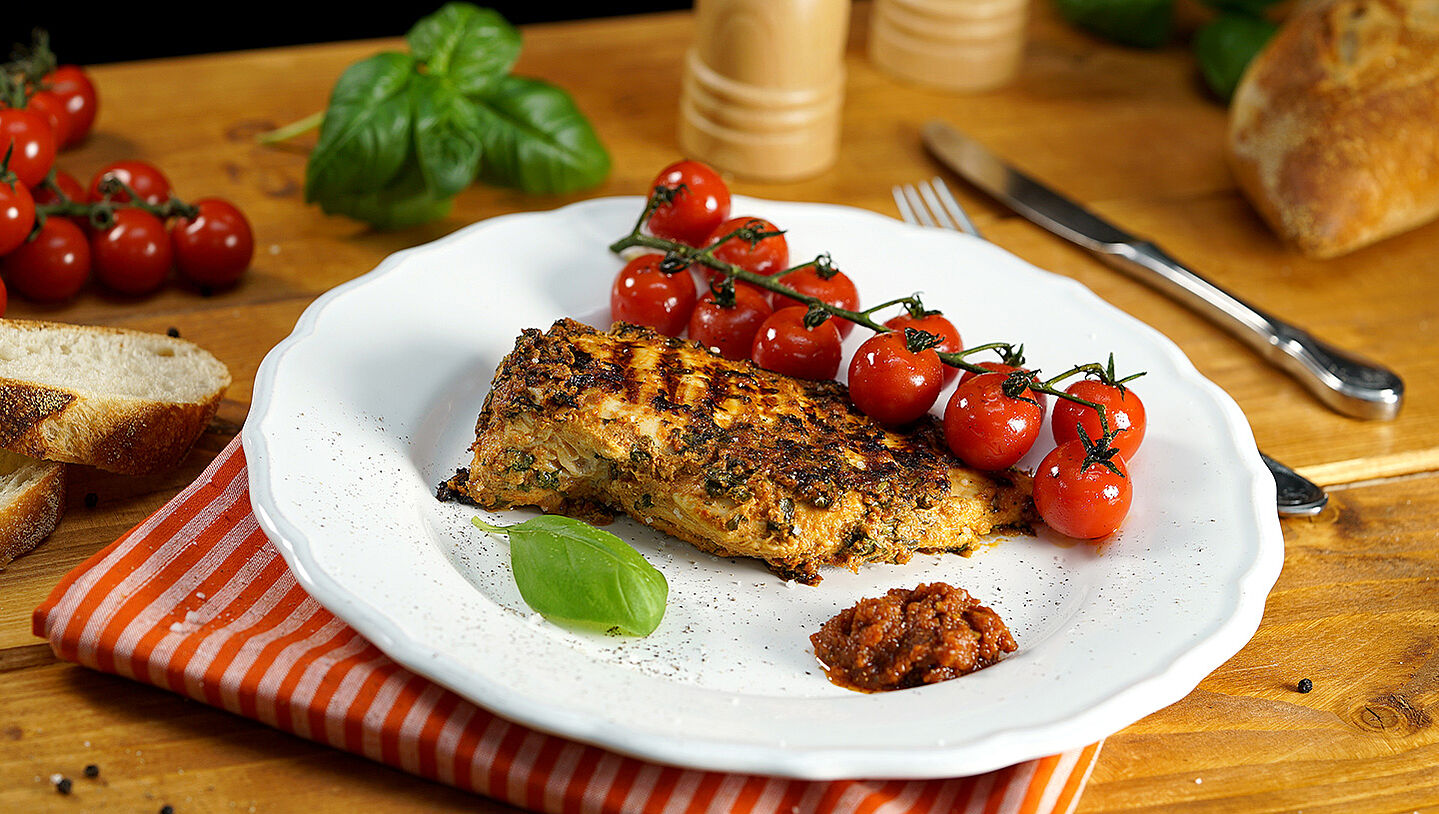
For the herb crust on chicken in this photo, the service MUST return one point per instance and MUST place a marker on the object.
(732, 458)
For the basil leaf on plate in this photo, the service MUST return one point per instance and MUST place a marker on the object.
(1225, 46)
(471, 47)
(571, 572)
(447, 139)
(536, 139)
(365, 135)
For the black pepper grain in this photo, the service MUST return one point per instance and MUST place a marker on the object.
(92, 770)
(1305, 685)
(167, 809)
(63, 785)
(91, 500)
(172, 331)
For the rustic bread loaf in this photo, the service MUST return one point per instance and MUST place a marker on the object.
(124, 401)
(1334, 129)
(32, 497)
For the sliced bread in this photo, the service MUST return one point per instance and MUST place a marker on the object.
(32, 497)
(125, 401)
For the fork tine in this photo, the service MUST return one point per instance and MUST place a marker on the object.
(906, 213)
(919, 211)
(952, 208)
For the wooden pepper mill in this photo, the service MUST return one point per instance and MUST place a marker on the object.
(763, 86)
(961, 45)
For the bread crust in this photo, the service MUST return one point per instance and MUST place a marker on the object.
(119, 433)
(33, 515)
(1333, 133)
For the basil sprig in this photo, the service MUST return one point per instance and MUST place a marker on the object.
(573, 573)
(406, 132)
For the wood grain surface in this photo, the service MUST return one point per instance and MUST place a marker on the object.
(1130, 133)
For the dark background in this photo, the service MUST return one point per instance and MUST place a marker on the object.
(91, 33)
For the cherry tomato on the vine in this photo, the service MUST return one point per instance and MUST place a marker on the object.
(17, 215)
(892, 384)
(936, 323)
(215, 247)
(73, 86)
(1081, 500)
(134, 255)
(642, 294)
(769, 255)
(695, 209)
(1001, 367)
(27, 135)
(729, 329)
(52, 107)
(988, 428)
(786, 345)
(837, 290)
(52, 267)
(1123, 410)
(145, 178)
(67, 184)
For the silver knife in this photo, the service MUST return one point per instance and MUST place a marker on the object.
(1341, 380)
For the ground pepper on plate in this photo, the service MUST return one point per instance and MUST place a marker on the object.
(909, 638)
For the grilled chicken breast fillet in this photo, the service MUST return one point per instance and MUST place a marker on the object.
(732, 458)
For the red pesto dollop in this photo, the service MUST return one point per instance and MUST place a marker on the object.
(910, 637)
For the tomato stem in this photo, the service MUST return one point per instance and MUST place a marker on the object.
(704, 255)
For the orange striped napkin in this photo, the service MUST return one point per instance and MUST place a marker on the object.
(197, 600)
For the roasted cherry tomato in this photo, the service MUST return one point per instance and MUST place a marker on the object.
(643, 294)
(4, 298)
(1001, 367)
(989, 423)
(1123, 410)
(52, 267)
(73, 86)
(26, 134)
(17, 215)
(145, 178)
(134, 255)
(786, 345)
(729, 329)
(52, 107)
(891, 383)
(1080, 498)
(835, 289)
(214, 248)
(938, 324)
(699, 203)
(768, 255)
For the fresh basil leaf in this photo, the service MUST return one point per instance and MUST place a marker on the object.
(470, 46)
(1224, 47)
(447, 135)
(571, 572)
(536, 139)
(406, 200)
(1253, 8)
(1142, 23)
(365, 137)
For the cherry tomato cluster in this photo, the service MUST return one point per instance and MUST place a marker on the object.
(125, 227)
(726, 282)
(737, 319)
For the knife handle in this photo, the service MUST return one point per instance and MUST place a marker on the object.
(1347, 383)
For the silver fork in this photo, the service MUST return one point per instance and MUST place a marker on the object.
(930, 203)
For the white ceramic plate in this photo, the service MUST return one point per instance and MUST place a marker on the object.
(372, 401)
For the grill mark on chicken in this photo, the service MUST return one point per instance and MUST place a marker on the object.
(732, 458)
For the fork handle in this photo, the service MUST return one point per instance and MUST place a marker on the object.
(1345, 382)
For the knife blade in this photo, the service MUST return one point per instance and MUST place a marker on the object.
(1345, 382)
